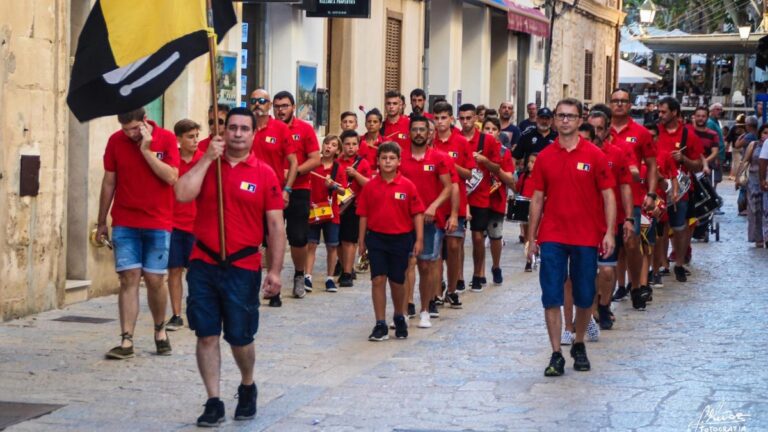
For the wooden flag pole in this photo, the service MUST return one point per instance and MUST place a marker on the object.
(215, 105)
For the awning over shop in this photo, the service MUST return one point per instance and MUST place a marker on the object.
(724, 43)
(527, 20)
(631, 74)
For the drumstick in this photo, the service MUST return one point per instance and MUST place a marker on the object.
(323, 177)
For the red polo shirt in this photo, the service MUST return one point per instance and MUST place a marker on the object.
(618, 164)
(368, 151)
(389, 207)
(669, 142)
(426, 173)
(250, 190)
(202, 146)
(142, 199)
(498, 201)
(457, 147)
(481, 197)
(639, 141)
(524, 186)
(399, 132)
(303, 142)
(363, 167)
(272, 145)
(572, 183)
(319, 192)
(184, 213)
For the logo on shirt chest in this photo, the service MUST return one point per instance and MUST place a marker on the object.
(429, 167)
(401, 196)
(581, 166)
(160, 155)
(250, 187)
(534, 140)
(610, 165)
(401, 136)
(296, 137)
(454, 154)
(631, 139)
(270, 140)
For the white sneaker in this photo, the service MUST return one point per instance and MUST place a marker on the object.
(593, 331)
(567, 338)
(424, 321)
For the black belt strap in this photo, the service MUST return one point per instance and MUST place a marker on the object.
(242, 253)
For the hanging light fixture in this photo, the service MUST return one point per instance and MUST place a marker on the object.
(647, 12)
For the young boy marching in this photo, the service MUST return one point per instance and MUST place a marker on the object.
(391, 224)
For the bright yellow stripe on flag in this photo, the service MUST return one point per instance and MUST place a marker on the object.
(139, 28)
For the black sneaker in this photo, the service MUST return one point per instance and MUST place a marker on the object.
(433, 313)
(453, 300)
(275, 301)
(380, 333)
(438, 300)
(656, 281)
(213, 414)
(664, 271)
(604, 313)
(579, 355)
(443, 292)
(498, 279)
(246, 402)
(638, 302)
(411, 310)
(620, 294)
(528, 267)
(345, 280)
(337, 269)
(476, 285)
(401, 327)
(646, 292)
(680, 274)
(483, 281)
(175, 323)
(460, 286)
(556, 365)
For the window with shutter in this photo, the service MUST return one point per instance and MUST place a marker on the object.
(392, 55)
(608, 77)
(588, 76)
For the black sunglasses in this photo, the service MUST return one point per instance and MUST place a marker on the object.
(260, 101)
(221, 122)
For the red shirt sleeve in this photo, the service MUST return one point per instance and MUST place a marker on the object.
(310, 142)
(603, 177)
(536, 178)
(110, 161)
(273, 195)
(494, 150)
(647, 146)
(172, 158)
(694, 147)
(416, 205)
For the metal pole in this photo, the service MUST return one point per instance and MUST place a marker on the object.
(214, 103)
(547, 57)
(674, 76)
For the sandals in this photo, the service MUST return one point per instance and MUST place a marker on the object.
(120, 352)
(163, 346)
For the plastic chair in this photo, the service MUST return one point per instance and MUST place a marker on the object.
(738, 99)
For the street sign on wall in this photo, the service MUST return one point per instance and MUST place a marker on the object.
(339, 9)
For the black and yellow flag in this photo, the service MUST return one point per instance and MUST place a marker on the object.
(130, 52)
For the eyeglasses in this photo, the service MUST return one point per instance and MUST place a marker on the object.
(620, 101)
(281, 106)
(259, 101)
(564, 117)
(210, 122)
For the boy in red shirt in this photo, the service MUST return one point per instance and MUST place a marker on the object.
(187, 132)
(391, 223)
(324, 210)
(370, 141)
(397, 126)
(524, 188)
(358, 172)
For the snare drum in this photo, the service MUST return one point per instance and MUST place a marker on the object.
(319, 213)
(520, 207)
(474, 181)
(345, 199)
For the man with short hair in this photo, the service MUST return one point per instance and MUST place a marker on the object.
(535, 139)
(141, 165)
(224, 293)
(222, 110)
(713, 123)
(396, 127)
(418, 104)
(508, 128)
(271, 144)
(348, 121)
(572, 216)
(529, 122)
(486, 151)
(303, 141)
(680, 148)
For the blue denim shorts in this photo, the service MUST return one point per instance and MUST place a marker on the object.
(136, 248)
(559, 261)
(330, 232)
(433, 243)
(678, 216)
(461, 229)
(181, 248)
(227, 297)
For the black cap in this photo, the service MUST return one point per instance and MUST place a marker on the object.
(544, 112)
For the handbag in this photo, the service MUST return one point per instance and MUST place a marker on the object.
(742, 176)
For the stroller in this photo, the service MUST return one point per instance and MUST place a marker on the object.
(703, 204)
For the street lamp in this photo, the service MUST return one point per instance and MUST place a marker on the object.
(647, 12)
(744, 32)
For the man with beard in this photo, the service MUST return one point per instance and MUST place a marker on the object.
(418, 102)
(534, 140)
(530, 122)
(508, 128)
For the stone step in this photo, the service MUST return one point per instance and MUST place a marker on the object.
(76, 291)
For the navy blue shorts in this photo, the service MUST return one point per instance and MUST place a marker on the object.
(349, 227)
(223, 297)
(388, 254)
(559, 261)
(330, 232)
(613, 259)
(181, 248)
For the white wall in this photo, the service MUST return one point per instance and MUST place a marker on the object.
(476, 54)
(445, 39)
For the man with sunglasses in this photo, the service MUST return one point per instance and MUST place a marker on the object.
(303, 142)
(639, 143)
(223, 111)
(271, 143)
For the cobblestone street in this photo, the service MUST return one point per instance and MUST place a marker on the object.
(697, 349)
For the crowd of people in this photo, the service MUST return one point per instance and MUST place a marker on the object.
(604, 199)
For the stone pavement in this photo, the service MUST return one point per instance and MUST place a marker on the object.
(697, 350)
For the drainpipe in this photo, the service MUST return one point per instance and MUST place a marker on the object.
(425, 58)
(617, 53)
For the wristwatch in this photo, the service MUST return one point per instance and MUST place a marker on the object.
(287, 189)
(629, 220)
(652, 195)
